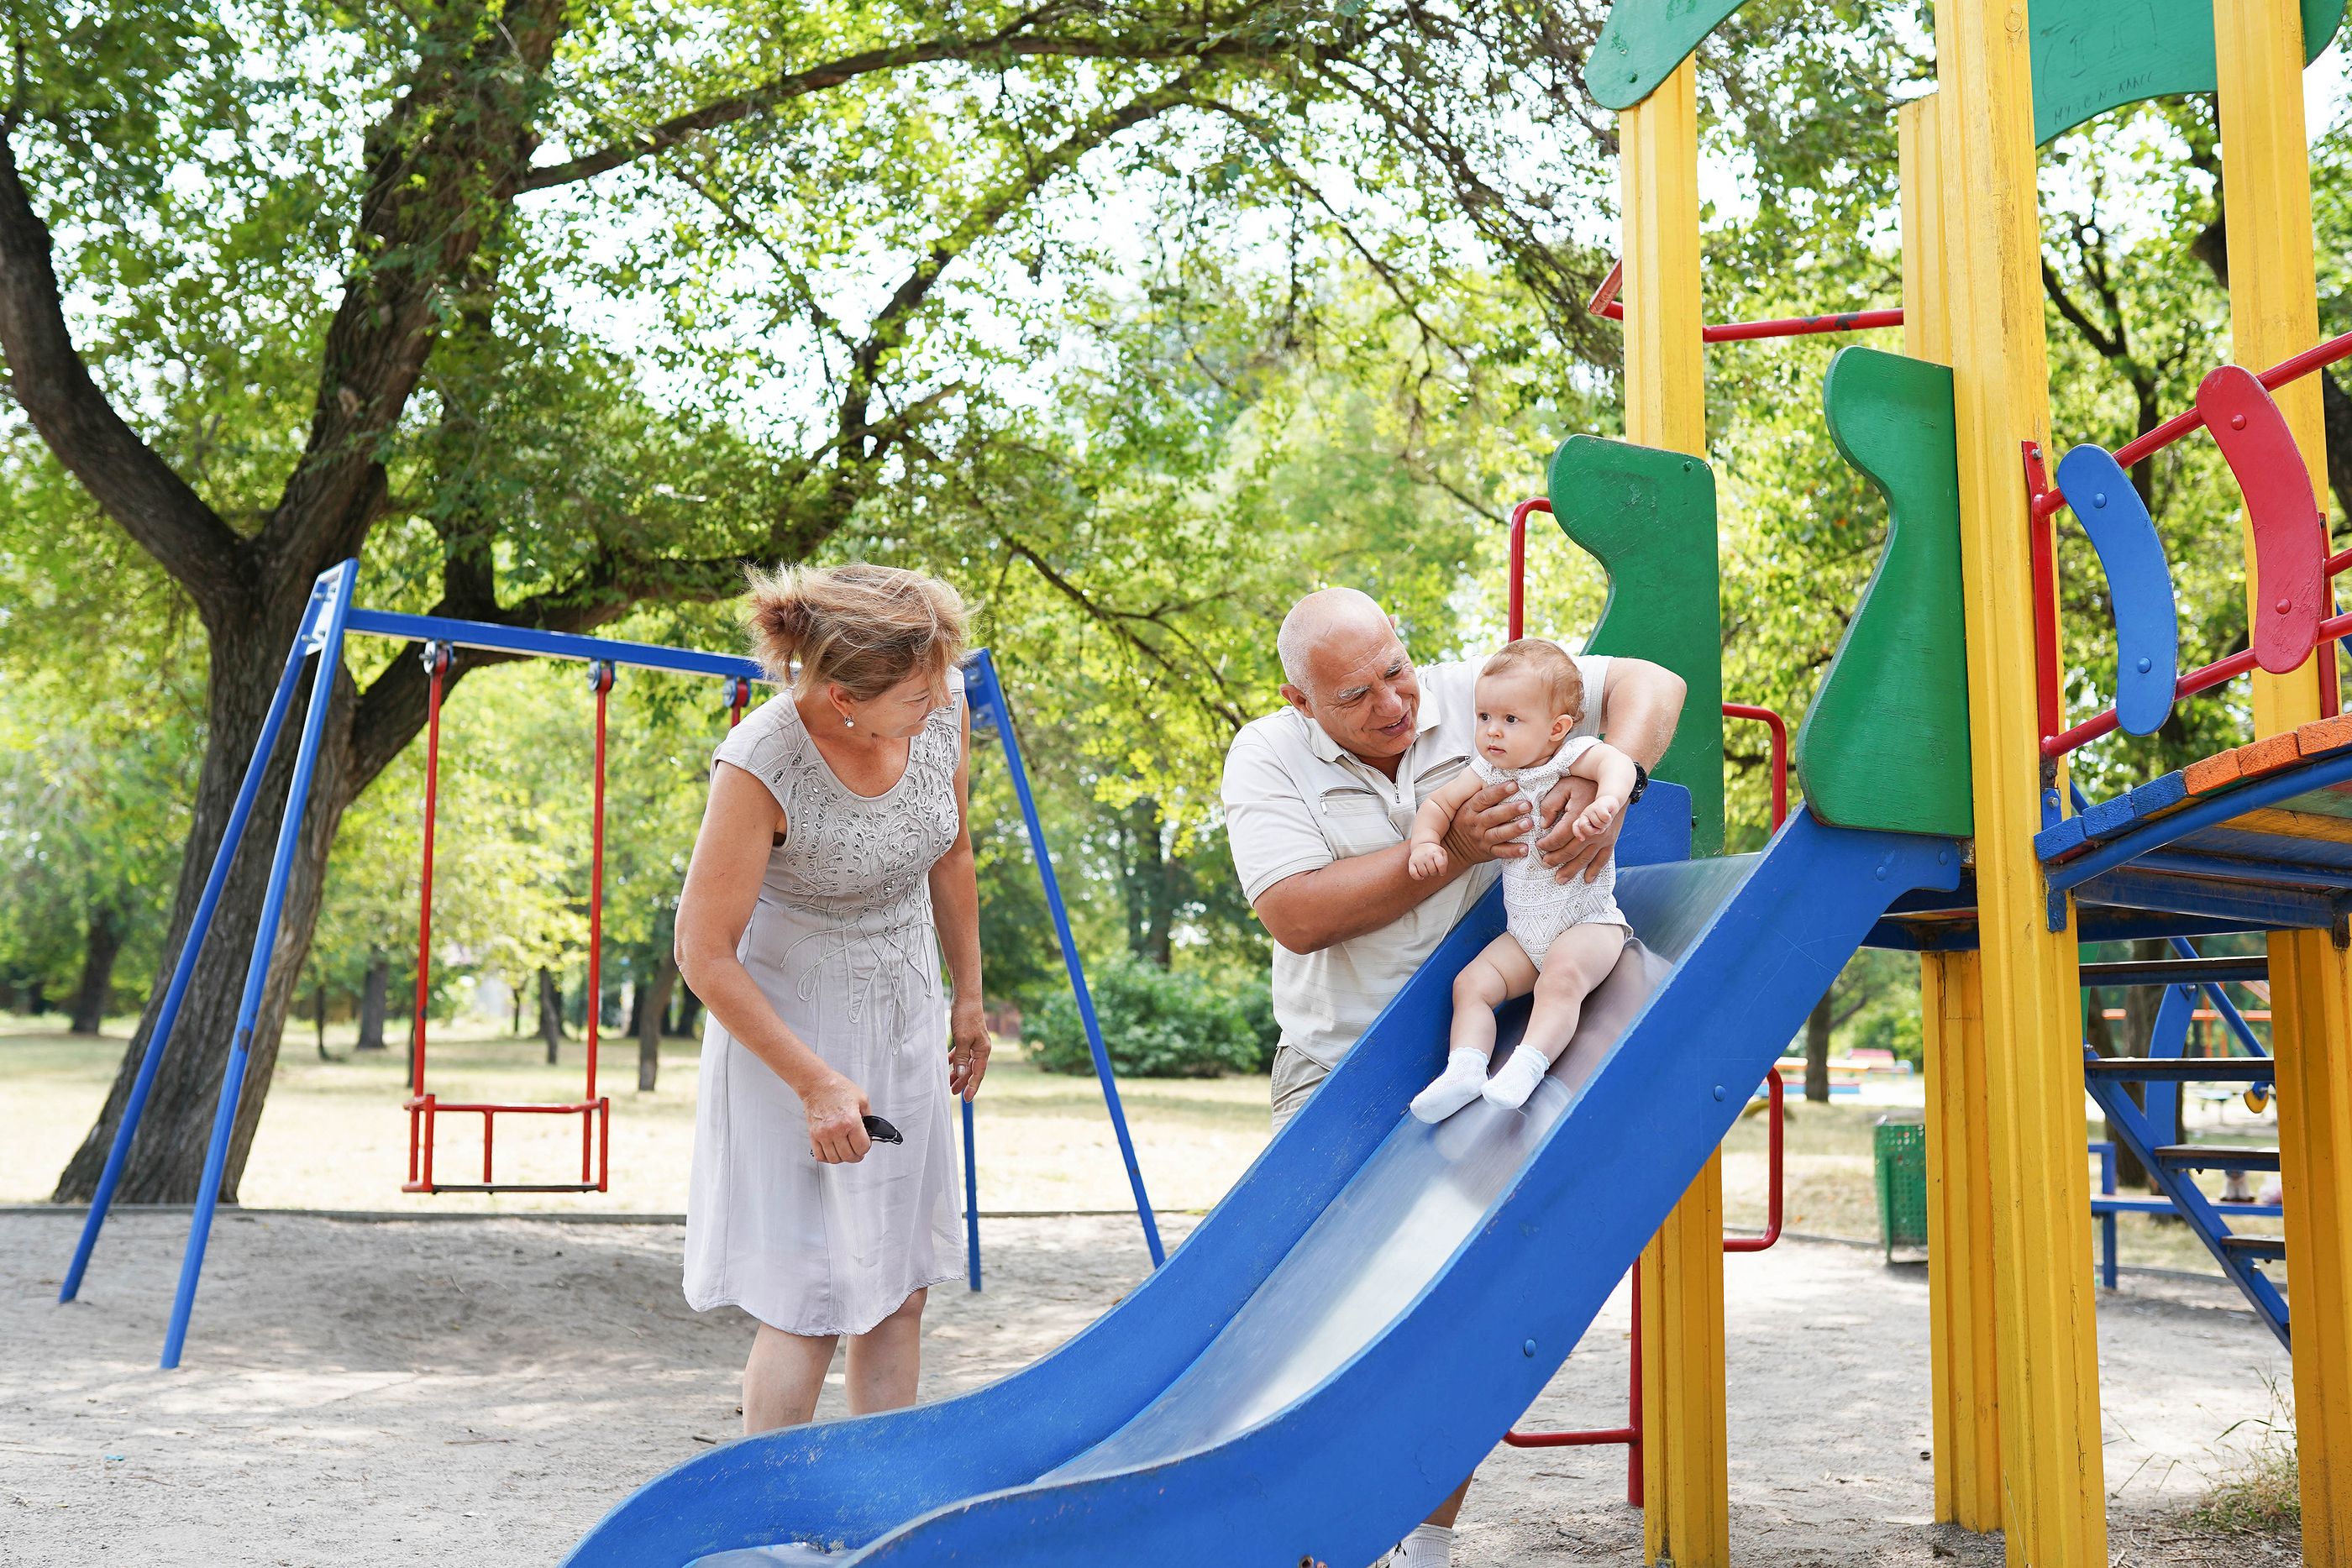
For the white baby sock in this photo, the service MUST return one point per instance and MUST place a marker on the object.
(1518, 1078)
(1429, 1546)
(1464, 1075)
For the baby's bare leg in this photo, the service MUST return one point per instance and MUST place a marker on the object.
(1497, 975)
(1578, 959)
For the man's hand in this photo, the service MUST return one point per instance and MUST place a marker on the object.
(1560, 845)
(1489, 826)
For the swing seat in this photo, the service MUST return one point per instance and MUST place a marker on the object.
(595, 1142)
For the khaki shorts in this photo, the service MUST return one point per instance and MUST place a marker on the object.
(1295, 1076)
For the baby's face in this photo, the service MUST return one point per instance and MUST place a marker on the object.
(1516, 725)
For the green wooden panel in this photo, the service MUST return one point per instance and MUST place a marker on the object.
(2089, 56)
(1885, 742)
(1641, 42)
(1648, 517)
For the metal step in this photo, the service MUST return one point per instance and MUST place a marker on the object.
(2218, 1158)
(2183, 1069)
(2262, 1248)
(2178, 972)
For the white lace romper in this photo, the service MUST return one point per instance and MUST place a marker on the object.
(841, 945)
(1538, 905)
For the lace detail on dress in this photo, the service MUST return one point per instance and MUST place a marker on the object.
(860, 864)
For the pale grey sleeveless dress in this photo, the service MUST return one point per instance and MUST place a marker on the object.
(843, 946)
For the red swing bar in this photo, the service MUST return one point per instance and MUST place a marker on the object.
(595, 1114)
(1604, 302)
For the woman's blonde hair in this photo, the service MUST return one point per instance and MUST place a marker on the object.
(862, 628)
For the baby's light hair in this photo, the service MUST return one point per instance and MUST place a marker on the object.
(1563, 686)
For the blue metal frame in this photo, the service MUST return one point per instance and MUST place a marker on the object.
(991, 702)
(322, 634)
(328, 620)
(183, 968)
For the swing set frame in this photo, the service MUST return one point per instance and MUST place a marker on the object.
(329, 618)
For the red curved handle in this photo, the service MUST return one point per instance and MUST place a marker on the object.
(2290, 539)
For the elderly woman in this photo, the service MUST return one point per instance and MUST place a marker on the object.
(834, 846)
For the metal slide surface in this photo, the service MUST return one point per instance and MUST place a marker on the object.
(1348, 1333)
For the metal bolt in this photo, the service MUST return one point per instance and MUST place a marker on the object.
(1718, 1091)
(2099, 498)
(2142, 666)
(1528, 1349)
(2237, 422)
(2282, 606)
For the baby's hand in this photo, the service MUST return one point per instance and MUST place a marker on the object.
(1428, 860)
(1596, 817)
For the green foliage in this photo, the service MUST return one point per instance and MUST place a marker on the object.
(1157, 1023)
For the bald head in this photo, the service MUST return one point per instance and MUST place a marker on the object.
(1346, 670)
(1314, 620)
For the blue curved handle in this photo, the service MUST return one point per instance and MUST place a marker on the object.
(2139, 585)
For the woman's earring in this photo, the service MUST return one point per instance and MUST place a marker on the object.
(847, 722)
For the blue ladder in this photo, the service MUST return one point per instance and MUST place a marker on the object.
(2147, 1130)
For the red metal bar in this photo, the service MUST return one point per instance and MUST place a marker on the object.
(2190, 420)
(2049, 707)
(437, 663)
(1778, 1093)
(604, 1145)
(1518, 611)
(489, 1131)
(1604, 302)
(600, 680)
(1780, 728)
(739, 698)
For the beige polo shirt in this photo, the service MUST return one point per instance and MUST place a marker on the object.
(1296, 802)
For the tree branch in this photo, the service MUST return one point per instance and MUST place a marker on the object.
(160, 512)
(1007, 43)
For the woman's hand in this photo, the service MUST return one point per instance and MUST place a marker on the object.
(836, 1121)
(967, 1044)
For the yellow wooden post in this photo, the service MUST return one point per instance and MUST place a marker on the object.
(2046, 1350)
(1685, 1482)
(2274, 312)
(1952, 1007)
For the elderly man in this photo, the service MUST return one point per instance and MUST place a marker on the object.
(1319, 801)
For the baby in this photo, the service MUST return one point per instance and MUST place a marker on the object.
(1563, 938)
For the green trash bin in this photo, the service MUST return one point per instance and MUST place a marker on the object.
(1900, 1148)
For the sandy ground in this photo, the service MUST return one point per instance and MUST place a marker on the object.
(479, 1390)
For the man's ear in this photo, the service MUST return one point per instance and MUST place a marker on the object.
(1297, 699)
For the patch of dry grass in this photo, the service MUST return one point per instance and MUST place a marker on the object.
(2260, 1493)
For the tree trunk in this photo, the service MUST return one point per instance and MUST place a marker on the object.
(101, 946)
(516, 1027)
(551, 1013)
(36, 999)
(1817, 1052)
(690, 1011)
(167, 1156)
(653, 999)
(371, 1002)
(319, 1016)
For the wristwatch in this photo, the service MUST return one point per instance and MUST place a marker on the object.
(1641, 782)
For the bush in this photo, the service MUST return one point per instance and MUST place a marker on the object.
(1157, 1023)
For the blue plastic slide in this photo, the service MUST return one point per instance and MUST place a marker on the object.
(1349, 1332)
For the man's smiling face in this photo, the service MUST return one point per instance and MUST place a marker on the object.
(1360, 688)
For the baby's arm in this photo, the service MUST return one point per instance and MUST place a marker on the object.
(1613, 775)
(1429, 824)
